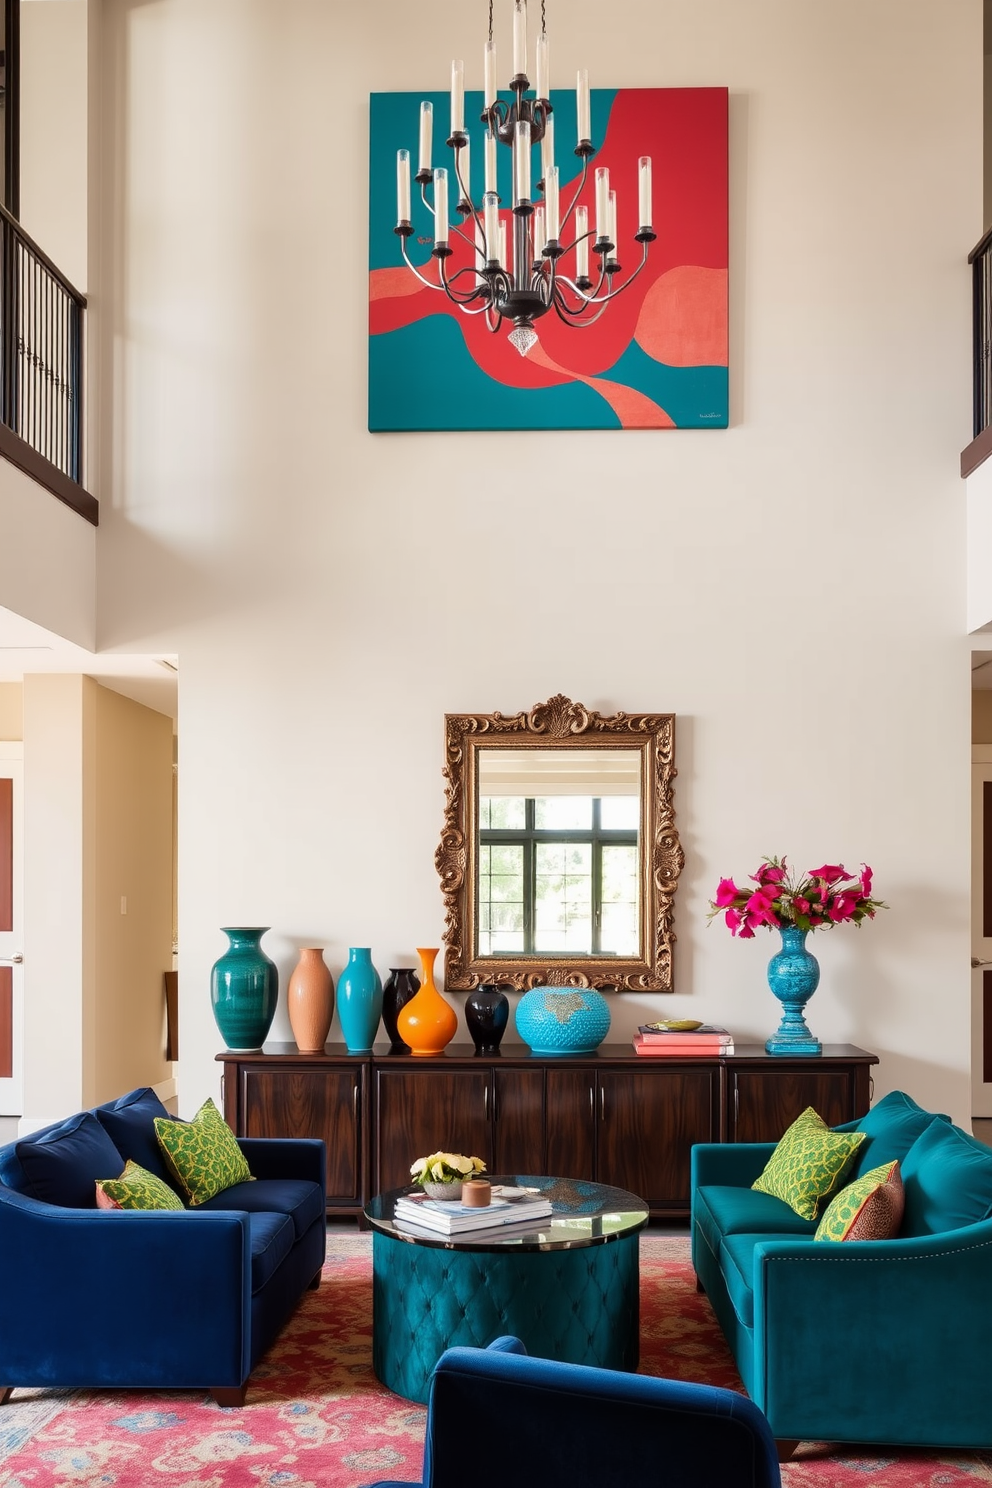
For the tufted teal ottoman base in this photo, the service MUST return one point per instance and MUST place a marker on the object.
(578, 1306)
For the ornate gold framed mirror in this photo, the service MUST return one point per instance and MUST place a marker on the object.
(559, 858)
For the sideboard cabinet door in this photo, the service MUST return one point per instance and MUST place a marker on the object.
(326, 1103)
(423, 1110)
(648, 1121)
(571, 1123)
(766, 1100)
(518, 1122)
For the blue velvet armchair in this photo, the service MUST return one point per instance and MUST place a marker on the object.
(496, 1417)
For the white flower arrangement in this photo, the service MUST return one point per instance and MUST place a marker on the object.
(445, 1167)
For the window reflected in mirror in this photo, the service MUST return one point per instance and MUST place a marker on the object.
(558, 859)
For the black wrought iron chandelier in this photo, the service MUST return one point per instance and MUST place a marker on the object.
(533, 281)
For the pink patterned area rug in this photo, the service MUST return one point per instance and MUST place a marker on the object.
(316, 1417)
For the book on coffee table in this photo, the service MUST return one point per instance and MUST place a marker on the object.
(455, 1218)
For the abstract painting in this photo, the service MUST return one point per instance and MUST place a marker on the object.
(655, 359)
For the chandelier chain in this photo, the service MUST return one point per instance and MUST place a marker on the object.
(490, 20)
(544, 20)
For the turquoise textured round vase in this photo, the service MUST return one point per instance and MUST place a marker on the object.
(244, 989)
(359, 1001)
(793, 976)
(563, 1020)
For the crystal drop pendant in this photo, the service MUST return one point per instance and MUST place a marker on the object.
(523, 337)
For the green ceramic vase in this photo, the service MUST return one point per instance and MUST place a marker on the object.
(244, 989)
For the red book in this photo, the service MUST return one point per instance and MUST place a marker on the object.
(683, 1049)
(708, 1034)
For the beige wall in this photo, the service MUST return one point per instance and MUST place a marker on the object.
(981, 716)
(54, 164)
(793, 588)
(11, 710)
(132, 781)
(98, 828)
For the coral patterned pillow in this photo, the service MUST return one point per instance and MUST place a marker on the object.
(870, 1208)
(808, 1163)
(136, 1188)
(203, 1154)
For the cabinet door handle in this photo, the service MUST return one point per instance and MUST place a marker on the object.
(485, 1100)
(602, 1103)
(737, 1104)
(354, 1101)
(592, 1103)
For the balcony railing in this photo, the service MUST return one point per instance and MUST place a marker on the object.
(41, 368)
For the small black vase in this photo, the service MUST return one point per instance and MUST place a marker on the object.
(486, 1012)
(402, 985)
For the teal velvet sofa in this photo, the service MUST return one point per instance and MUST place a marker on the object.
(886, 1341)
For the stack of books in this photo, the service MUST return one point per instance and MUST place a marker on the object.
(457, 1218)
(705, 1042)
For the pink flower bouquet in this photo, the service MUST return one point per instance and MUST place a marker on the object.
(823, 897)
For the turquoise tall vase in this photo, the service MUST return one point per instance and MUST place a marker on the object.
(244, 989)
(793, 976)
(359, 1001)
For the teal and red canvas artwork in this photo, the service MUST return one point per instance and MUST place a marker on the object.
(655, 359)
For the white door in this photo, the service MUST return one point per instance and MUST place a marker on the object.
(11, 928)
(981, 930)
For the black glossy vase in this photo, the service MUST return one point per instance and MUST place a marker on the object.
(487, 1010)
(403, 984)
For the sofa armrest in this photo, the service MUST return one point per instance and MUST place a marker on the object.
(728, 1164)
(173, 1290)
(286, 1157)
(891, 1337)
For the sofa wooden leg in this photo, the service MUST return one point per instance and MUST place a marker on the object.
(699, 1285)
(5, 1393)
(313, 1283)
(230, 1395)
(785, 1449)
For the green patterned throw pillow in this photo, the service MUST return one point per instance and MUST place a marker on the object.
(136, 1188)
(870, 1208)
(203, 1153)
(808, 1163)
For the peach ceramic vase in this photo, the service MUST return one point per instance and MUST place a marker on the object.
(310, 999)
(427, 1023)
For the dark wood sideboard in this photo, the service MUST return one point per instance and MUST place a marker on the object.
(611, 1116)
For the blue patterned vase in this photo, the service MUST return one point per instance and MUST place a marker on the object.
(244, 989)
(359, 1001)
(793, 975)
(563, 1020)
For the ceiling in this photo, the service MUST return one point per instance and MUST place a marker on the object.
(26, 647)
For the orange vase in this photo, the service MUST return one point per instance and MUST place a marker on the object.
(427, 1023)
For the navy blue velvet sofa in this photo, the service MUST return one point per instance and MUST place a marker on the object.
(149, 1299)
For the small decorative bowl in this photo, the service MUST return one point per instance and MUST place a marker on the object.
(445, 1193)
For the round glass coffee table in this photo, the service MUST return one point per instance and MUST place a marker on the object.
(567, 1286)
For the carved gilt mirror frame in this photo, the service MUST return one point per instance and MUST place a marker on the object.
(560, 724)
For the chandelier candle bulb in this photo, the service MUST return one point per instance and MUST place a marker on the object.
(602, 203)
(583, 112)
(521, 165)
(480, 252)
(402, 187)
(551, 203)
(457, 98)
(491, 142)
(520, 38)
(440, 208)
(503, 256)
(582, 243)
(644, 193)
(489, 73)
(548, 147)
(540, 237)
(426, 131)
(464, 171)
(490, 207)
(543, 73)
(612, 229)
